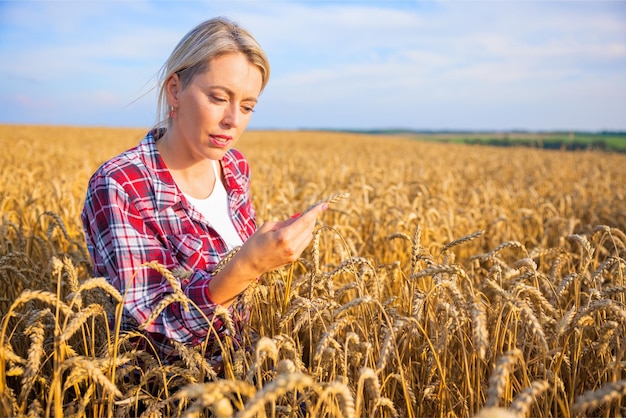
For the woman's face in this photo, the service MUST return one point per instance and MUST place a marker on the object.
(214, 109)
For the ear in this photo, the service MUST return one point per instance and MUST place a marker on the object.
(172, 90)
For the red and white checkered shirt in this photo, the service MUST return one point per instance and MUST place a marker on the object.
(134, 213)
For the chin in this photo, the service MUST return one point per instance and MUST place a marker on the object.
(217, 154)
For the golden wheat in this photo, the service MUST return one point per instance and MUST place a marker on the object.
(532, 292)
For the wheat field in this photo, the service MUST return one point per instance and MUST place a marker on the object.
(454, 281)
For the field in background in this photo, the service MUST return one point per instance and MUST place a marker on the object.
(570, 141)
(454, 279)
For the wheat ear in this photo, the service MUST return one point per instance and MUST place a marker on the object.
(461, 240)
(523, 401)
(366, 375)
(343, 395)
(164, 303)
(272, 391)
(85, 364)
(79, 318)
(330, 199)
(480, 333)
(36, 332)
(593, 399)
(500, 377)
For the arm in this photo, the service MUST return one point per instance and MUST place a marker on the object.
(274, 244)
(122, 235)
(121, 239)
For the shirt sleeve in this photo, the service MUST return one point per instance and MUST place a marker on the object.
(121, 239)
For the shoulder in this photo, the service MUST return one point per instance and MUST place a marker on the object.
(128, 167)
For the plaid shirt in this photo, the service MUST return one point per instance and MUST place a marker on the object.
(134, 213)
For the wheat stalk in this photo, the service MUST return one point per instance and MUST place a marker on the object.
(330, 199)
(58, 222)
(508, 244)
(35, 354)
(77, 320)
(195, 361)
(365, 300)
(333, 330)
(368, 380)
(586, 247)
(462, 240)
(532, 322)
(480, 333)
(97, 283)
(266, 347)
(568, 280)
(496, 412)
(204, 395)
(224, 260)
(160, 307)
(86, 367)
(273, 390)
(342, 393)
(523, 401)
(594, 398)
(500, 377)
(445, 268)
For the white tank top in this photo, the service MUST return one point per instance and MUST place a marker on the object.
(216, 210)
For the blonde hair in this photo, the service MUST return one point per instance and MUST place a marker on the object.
(206, 41)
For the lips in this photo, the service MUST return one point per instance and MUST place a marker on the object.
(221, 140)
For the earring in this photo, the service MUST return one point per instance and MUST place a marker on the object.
(172, 112)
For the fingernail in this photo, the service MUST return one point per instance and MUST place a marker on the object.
(325, 206)
(295, 215)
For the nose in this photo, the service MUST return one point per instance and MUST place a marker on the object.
(231, 116)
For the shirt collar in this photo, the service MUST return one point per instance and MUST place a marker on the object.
(166, 191)
(231, 173)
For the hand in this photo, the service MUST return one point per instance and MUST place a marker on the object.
(277, 243)
(273, 245)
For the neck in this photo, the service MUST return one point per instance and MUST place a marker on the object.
(196, 177)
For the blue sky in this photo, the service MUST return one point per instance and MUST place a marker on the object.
(476, 65)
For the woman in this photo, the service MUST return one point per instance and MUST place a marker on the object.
(181, 198)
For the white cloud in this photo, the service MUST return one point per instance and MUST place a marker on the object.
(347, 64)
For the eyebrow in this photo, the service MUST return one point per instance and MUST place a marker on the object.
(232, 93)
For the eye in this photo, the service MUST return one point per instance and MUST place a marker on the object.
(218, 99)
(247, 109)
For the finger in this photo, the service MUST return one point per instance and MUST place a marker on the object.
(316, 210)
(276, 226)
(305, 222)
(307, 217)
(270, 226)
